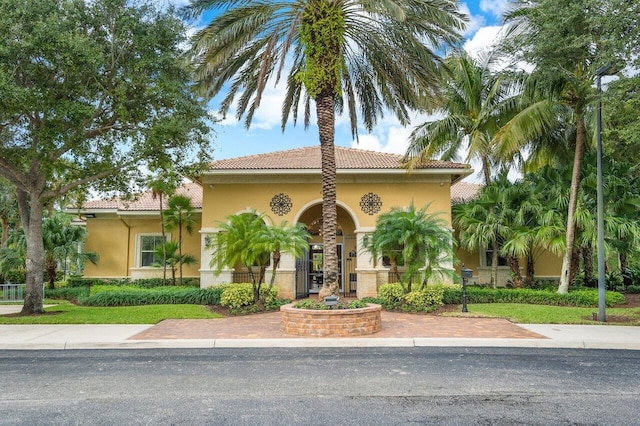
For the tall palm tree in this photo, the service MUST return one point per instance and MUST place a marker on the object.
(374, 55)
(567, 42)
(179, 215)
(477, 100)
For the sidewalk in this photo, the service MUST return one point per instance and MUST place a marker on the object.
(399, 330)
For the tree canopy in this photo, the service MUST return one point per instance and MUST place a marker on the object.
(91, 91)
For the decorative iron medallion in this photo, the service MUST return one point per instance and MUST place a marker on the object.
(281, 204)
(370, 203)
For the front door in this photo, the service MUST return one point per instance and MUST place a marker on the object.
(315, 270)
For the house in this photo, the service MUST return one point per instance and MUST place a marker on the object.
(286, 185)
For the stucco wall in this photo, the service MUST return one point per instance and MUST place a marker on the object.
(115, 239)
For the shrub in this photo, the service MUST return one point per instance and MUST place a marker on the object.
(236, 295)
(142, 282)
(196, 296)
(311, 304)
(390, 294)
(66, 293)
(633, 289)
(425, 300)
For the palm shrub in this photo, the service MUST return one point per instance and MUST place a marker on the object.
(422, 240)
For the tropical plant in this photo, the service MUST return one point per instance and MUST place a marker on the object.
(282, 238)
(247, 240)
(60, 240)
(340, 53)
(161, 186)
(169, 254)
(564, 72)
(179, 215)
(477, 99)
(423, 241)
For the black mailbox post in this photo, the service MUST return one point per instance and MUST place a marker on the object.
(466, 274)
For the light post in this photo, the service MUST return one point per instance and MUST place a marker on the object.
(466, 274)
(601, 279)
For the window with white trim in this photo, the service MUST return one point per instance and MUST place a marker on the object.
(147, 245)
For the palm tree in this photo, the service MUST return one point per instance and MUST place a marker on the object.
(160, 187)
(282, 238)
(476, 101)
(239, 242)
(179, 215)
(171, 256)
(60, 244)
(340, 53)
(564, 74)
(423, 240)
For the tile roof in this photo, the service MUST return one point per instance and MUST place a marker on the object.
(309, 158)
(461, 192)
(145, 201)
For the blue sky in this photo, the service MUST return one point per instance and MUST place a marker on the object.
(265, 135)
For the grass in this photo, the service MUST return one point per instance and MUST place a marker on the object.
(542, 314)
(67, 313)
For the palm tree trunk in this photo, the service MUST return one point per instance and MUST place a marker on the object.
(180, 251)
(587, 264)
(164, 246)
(326, 122)
(573, 201)
(486, 171)
(514, 265)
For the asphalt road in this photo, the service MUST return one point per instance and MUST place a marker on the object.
(321, 386)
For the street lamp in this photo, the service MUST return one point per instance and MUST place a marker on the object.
(466, 274)
(601, 280)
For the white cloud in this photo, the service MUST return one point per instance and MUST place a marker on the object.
(484, 39)
(475, 21)
(494, 7)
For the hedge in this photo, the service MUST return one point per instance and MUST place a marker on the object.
(161, 296)
(582, 298)
(142, 282)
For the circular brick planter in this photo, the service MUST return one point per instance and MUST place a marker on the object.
(332, 322)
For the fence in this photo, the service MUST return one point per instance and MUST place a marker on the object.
(15, 292)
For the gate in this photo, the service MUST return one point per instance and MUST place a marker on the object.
(302, 270)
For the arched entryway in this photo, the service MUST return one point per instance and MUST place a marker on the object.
(309, 266)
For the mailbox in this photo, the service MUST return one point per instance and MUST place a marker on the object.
(467, 273)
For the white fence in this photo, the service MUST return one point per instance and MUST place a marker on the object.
(14, 292)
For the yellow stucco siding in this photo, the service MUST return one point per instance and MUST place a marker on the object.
(108, 238)
(548, 264)
(116, 240)
(226, 199)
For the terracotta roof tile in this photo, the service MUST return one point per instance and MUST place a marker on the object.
(461, 192)
(145, 201)
(309, 158)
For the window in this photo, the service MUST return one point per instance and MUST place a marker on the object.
(502, 261)
(148, 244)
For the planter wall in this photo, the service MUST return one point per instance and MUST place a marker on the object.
(332, 322)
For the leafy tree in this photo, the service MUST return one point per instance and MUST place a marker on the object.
(423, 241)
(179, 215)
(566, 40)
(8, 210)
(169, 254)
(90, 92)
(374, 55)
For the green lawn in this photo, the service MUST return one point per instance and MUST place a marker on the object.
(67, 313)
(542, 314)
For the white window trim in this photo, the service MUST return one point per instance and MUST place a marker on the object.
(138, 261)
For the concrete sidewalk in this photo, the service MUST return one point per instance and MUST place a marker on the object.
(140, 336)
